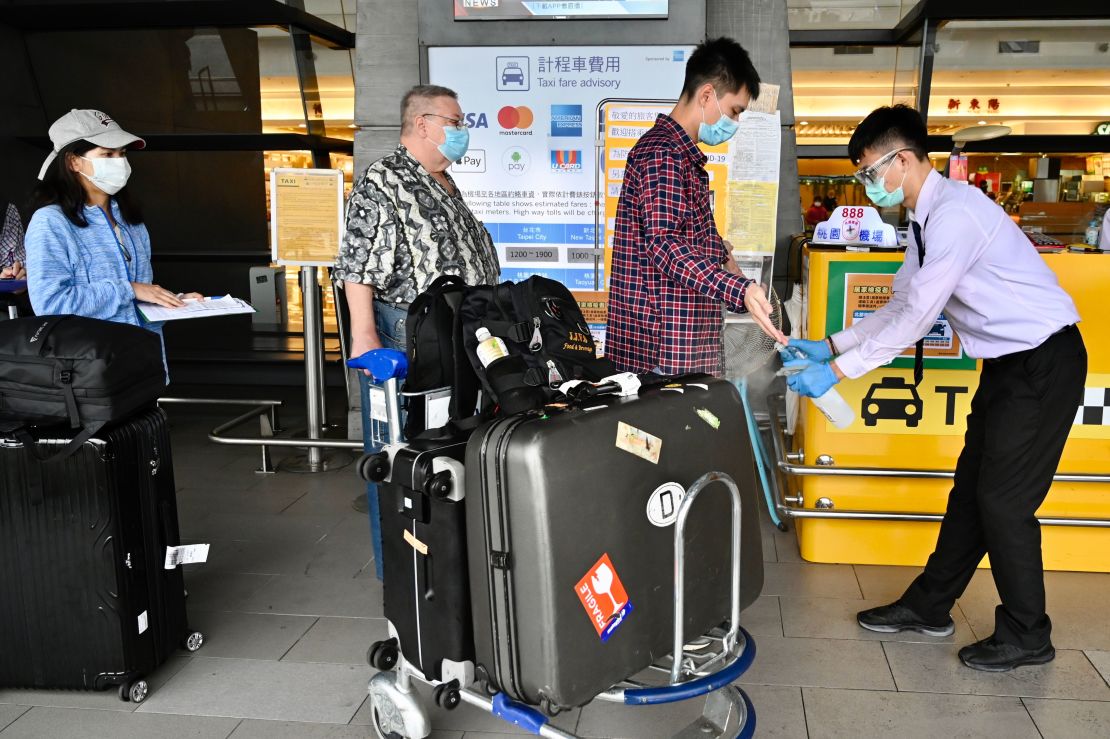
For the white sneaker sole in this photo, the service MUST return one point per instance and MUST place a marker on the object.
(919, 628)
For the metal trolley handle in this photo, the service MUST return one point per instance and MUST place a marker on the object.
(739, 648)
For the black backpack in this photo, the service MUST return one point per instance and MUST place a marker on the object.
(435, 355)
(81, 371)
(546, 334)
(542, 327)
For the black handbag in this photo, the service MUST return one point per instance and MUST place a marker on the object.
(81, 371)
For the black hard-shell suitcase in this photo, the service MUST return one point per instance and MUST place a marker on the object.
(570, 529)
(427, 594)
(85, 599)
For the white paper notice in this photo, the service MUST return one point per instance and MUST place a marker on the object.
(768, 100)
(144, 622)
(204, 308)
(186, 555)
(378, 411)
(756, 148)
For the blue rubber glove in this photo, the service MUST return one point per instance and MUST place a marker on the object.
(818, 351)
(814, 381)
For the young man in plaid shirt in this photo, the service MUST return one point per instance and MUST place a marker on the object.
(671, 269)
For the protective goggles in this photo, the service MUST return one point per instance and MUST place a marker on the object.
(870, 175)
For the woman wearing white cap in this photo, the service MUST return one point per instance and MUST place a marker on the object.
(88, 252)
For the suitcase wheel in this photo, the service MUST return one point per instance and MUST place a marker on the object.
(383, 655)
(439, 485)
(134, 691)
(374, 467)
(447, 695)
(193, 641)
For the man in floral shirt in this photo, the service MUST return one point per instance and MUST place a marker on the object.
(407, 224)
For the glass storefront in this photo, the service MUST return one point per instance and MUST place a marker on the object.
(1042, 79)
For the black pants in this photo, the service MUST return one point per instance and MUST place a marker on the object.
(1020, 419)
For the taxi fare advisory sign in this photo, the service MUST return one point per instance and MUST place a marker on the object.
(306, 216)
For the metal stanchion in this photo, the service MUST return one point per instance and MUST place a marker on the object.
(315, 460)
(322, 384)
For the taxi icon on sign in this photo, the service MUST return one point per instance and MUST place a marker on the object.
(892, 399)
(512, 73)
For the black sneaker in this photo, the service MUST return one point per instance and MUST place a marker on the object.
(991, 655)
(895, 617)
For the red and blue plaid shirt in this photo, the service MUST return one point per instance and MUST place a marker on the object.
(668, 282)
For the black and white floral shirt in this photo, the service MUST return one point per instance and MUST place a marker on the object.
(404, 230)
(11, 238)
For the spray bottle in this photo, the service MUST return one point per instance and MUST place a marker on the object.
(832, 404)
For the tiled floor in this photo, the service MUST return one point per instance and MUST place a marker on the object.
(289, 604)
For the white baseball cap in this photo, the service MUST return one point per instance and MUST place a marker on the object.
(88, 125)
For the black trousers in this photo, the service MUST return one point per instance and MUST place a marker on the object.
(1020, 419)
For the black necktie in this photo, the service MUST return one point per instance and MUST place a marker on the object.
(919, 348)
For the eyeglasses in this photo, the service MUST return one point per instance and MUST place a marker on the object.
(870, 175)
(456, 123)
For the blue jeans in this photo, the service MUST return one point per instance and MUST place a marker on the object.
(390, 323)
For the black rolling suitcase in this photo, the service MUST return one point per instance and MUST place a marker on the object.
(86, 601)
(427, 594)
(570, 524)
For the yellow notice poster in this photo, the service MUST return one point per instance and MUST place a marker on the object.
(306, 215)
(866, 292)
(752, 209)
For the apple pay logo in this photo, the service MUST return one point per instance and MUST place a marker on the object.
(473, 161)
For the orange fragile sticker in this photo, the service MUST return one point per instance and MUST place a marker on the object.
(602, 595)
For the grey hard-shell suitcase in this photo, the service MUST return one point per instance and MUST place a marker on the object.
(86, 600)
(570, 527)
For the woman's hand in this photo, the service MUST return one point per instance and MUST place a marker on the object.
(14, 272)
(156, 294)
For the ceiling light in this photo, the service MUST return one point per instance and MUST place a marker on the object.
(982, 123)
(803, 123)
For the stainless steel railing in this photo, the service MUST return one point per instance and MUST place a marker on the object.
(789, 464)
(266, 411)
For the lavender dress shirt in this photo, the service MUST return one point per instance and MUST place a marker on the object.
(980, 269)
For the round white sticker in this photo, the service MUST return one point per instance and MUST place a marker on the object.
(662, 506)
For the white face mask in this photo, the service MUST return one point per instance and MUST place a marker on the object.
(109, 173)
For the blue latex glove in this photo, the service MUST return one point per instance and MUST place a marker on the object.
(818, 351)
(813, 381)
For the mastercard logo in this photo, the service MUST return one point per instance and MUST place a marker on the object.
(519, 116)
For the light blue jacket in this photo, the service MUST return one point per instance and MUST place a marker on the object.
(82, 271)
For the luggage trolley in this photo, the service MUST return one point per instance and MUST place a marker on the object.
(706, 667)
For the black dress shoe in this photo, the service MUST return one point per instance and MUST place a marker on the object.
(891, 619)
(991, 655)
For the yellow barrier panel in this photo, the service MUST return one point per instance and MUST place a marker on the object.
(899, 426)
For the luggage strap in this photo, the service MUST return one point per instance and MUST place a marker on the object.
(66, 377)
(32, 446)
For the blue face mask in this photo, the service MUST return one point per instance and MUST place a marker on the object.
(455, 144)
(883, 198)
(721, 131)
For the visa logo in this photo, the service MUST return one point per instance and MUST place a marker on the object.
(476, 120)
